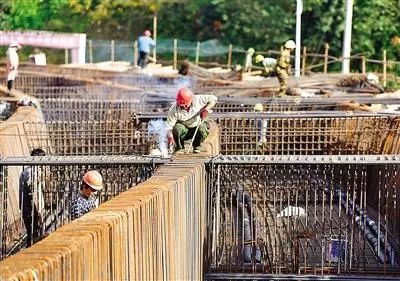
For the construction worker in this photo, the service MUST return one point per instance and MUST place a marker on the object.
(185, 119)
(86, 201)
(261, 126)
(248, 61)
(268, 63)
(12, 63)
(145, 43)
(31, 200)
(283, 66)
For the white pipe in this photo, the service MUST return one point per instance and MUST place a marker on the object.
(299, 10)
(347, 37)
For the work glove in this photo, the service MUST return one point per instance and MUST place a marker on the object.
(170, 139)
(203, 113)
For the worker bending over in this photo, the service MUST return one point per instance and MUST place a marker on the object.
(283, 66)
(86, 201)
(185, 116)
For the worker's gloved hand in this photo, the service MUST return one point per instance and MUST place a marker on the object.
(203, 113)
(170, 139)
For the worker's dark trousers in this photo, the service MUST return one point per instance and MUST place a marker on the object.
(30, 216)
(182, 133)
(143, 58)
(10, 84)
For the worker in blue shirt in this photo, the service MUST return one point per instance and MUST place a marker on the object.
(145, 42)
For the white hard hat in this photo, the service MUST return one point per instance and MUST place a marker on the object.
(15, 45)
(290, 44)
(259, 58)
(258, 107)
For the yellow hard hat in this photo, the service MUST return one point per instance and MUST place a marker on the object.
(290, 44)
(251, 50)
(259, 58)
(258, 107)
(93, 179)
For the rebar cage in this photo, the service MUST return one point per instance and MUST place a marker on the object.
(302, 216)
(310, 133)
(108, 137)
(52, 183)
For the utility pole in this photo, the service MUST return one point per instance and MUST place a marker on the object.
(347, 37)
(299, 10)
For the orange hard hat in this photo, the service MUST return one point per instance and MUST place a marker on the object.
(93, 179)
(147, 33)
(184, 97)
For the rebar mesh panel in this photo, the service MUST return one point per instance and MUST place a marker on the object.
(304, 219)
(304, 135)
(83, 109)
(24, 81)
(53, 188)
(110, 137)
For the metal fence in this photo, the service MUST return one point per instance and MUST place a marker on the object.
(53, 183)
(318, 215)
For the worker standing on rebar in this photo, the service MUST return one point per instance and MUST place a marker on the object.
(185, 119)
(31, 201)
(145, 43)
(85, 201)
(12, 63)
(283, 66)
(248, 61)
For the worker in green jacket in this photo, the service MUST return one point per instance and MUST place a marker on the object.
(283, 66)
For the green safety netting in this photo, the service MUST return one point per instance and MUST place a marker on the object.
(124, 50)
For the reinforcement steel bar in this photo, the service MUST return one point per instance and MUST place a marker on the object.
(81, 160)
(288, 114)
(260, 276)
(306, 159)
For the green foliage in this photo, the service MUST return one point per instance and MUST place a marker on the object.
(261, 24)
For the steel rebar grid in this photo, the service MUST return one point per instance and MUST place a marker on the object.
(54, 181)
(304, 133)
(84, 109)
(304, 215)
(109, 137)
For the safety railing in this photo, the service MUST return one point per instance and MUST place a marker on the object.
(303, 215)
(44, 188)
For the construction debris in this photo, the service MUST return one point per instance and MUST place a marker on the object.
(362, 84)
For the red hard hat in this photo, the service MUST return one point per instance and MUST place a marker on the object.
(147, 33)
(184, 97)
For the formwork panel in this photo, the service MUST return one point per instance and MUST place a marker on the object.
(299, 218)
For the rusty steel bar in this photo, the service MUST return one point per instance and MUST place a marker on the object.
(155, 231)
